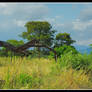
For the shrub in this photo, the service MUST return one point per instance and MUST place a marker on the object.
(77, 61)
(63, 50)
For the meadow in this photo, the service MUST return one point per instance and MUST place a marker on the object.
(70, 72)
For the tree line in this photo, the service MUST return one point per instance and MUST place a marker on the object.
(43, 31)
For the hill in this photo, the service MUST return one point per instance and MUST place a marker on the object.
(83, 49)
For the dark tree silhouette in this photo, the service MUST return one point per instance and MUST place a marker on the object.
(23, 48)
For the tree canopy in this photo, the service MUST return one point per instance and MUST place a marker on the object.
(15, 42)
(63, 39)
(43, 32)
(40, 30)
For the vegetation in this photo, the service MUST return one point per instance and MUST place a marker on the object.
(41, 31)
(63, 50)
(5, 52)
(15, 42)
(73, 70)
(26, 73)
(63, 39)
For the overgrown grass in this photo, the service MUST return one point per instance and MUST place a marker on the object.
(26, 73)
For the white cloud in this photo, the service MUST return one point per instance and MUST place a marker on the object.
(17, 14)
(27, 11)
(3, 5)
(86, 14)
(84, 42)
(53, 21)
(20, 23)
(60, 25)
(80, 25)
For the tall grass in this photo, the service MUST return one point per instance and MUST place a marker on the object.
(26, 73)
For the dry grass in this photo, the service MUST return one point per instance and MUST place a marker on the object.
(24, 73)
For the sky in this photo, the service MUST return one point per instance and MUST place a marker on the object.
(73, 18)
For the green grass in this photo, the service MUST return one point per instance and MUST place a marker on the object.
(26, 73)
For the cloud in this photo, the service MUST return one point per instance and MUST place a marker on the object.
(20, 23)
(13, 16)
(3, 5)
(78, 30)
(86, 14)
(54, 21)
(80, 25)
(23, 10)
(84, 42)
(17, 14)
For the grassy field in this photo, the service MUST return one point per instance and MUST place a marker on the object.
(26, 73)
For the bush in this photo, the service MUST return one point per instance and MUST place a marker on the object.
(63, 50)
(77, 61)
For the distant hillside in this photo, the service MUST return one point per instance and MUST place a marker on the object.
(83, 49)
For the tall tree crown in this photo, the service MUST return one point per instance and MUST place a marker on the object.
(63, 38)
(40, 30)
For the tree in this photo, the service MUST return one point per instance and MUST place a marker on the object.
(90, 48)
(15, 42)
(63, 39)
(64, 50)
(39, 30)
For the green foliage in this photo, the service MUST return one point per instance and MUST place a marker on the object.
(15, 42)
(77, 61)
(63, 39)
(5, 52)
(7, 80)
(63, 50)
(90, 45)
(90, 48)
(23, 79)
(41, 31)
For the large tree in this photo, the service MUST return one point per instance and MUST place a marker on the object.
(63, 39)
(40, 30)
